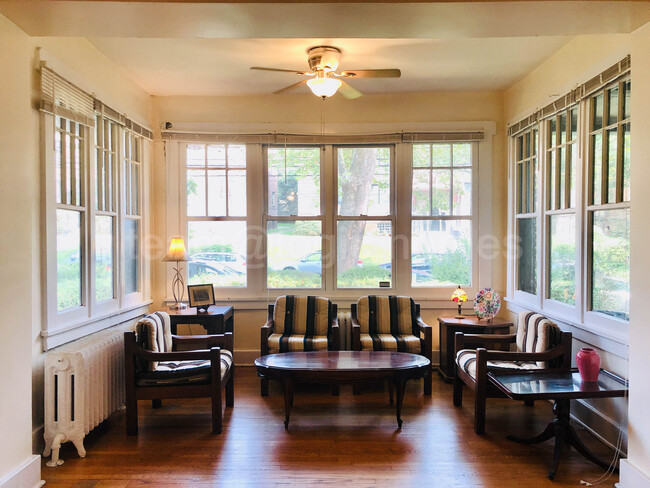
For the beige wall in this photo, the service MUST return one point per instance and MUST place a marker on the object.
(273, 111)
(639, 420)
(18, 221)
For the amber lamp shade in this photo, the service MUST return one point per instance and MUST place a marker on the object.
(459, 296)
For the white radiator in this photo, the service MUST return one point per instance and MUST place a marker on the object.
(345, 328)
(84, 384)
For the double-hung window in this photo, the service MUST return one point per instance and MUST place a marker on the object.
(608, 206)
(216, 214)
(441, 214)
(294, 217)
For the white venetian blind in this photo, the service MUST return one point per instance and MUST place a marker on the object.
(60, 97)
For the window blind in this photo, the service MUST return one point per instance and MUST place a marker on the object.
(61, 97)
(281, 138)
(611, 74)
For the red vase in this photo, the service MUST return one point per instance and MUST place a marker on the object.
(588, 362)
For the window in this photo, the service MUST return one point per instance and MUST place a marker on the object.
(442, 209)
(608, 210)
(93, 213)
(585, 231)
(526, 216)
(332, 218)
(294, 225)
(561, 157)
(216, 214)
(364, 217)
(70, 161)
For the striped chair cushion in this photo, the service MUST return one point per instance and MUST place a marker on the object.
(307, 316)
(466, 360)
(387, 315)
(536, 333)
(296, 342)
(183, 372)
(389, 342)
(154, 334)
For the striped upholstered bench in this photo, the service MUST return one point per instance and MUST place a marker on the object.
(540, 345)
(299, 323)
(154, 369)
(391, 323)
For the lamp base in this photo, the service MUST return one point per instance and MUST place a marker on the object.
(459, 316)
(178, 306)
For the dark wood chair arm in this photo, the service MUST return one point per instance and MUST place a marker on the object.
(472, 341)
(547, 355)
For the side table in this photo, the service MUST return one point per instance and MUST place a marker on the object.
(216, 320)
(448, 326)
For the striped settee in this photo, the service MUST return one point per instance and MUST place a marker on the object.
(391, 323)
(299, 323)
(539, 345)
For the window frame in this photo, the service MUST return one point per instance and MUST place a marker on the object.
(578, 315)
(70, 324)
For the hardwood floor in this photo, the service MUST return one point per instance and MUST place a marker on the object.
(344, 441)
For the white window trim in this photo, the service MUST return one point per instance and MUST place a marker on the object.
(256, 296)
(68, 325)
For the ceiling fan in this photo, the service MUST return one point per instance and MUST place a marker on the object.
(324, 81)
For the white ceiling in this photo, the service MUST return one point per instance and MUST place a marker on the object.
(221, 66)
(207, 48)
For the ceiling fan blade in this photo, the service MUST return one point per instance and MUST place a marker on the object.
(282, 70)
(371, 73)
(290, 87)
(348, 91)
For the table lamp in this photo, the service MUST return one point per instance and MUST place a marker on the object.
(459, 296)
(177, 253)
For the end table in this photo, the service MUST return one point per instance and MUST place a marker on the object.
(448, 326)
(216, 320)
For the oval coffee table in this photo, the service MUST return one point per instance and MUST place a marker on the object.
(340, 367)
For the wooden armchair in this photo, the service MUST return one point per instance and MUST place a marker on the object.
(540, 346)
(154, 369)
(299, 324)
(391, 323)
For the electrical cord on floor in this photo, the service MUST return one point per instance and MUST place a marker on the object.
(617, 452)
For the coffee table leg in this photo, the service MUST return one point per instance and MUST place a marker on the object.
(288, 400)
(400, 384)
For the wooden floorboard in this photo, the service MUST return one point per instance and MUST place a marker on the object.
(344, 441)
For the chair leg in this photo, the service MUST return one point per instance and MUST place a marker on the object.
(479, 408)
(216, 410)
(157, 403)
(131, 417)
(230, 389)
(264, 389)
(458, 391)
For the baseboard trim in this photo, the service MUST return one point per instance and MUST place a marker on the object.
(28, 474)
(631, 476)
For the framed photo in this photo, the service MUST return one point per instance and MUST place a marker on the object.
(201, 296)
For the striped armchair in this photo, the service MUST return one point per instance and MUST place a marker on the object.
(540, 345)
(391, 323)
(154, 369)
(294, 323)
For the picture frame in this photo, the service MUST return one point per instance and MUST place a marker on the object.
(201, 296)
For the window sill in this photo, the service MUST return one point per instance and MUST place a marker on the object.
(56, 337)
(604, 338)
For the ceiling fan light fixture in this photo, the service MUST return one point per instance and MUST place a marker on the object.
(324, 86)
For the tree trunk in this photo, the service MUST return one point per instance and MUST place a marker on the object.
(354, 201)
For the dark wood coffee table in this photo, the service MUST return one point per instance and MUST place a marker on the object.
(562, 388)
(341, 367)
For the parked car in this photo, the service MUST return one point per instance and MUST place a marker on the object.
(310, 263)
(235, 261)
(195, 268)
